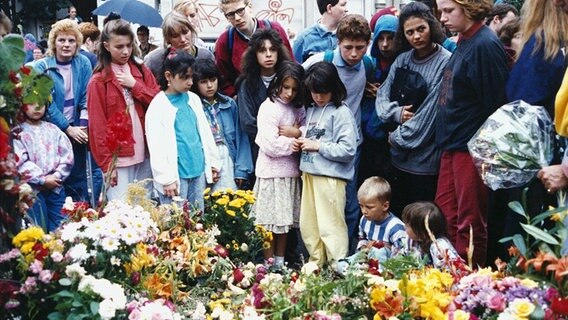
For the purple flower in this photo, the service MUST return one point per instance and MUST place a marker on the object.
(45, 276)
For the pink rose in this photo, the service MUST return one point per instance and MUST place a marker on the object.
(45, 276)
(497, 302)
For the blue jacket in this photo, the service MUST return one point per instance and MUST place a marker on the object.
(81, 68)
(313, 40)
(535, 80)
(236, 140)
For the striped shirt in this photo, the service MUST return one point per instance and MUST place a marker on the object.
(390, 231)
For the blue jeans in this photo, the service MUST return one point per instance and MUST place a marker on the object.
(76, 184)
(191, 190)
(46, 211)
(352, 210)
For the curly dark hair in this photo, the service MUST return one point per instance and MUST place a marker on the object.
(422, 11)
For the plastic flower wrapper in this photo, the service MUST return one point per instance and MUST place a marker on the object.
(512, 145)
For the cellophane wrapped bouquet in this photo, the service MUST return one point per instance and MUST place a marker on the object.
(512, 145)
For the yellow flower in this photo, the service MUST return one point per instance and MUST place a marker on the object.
(33, 234)
(461, 315)
(529, 283)
(236, 246)
(237, 203)
(216, 194)
(231, 213)
(266, 245)
(521, 308)
(378, 294)
(223, 201)
(229, 191)
(206, 191)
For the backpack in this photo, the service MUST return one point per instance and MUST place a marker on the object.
(231, 33)
(367, 62)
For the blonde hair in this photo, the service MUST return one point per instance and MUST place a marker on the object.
(64, 26)
(548, 24)
(375, 188)
(175, 24)
(181, 5)
(475, 10)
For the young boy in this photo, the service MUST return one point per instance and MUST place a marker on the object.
(321, 36)
(354, 36)
(378, 224)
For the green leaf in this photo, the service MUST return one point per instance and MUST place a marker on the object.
(37, 88)
(518, 208)
(519, 242)
(64, 294)
(94, 307)
(65, 282)
(12, 53)
(55, 316)
(539, 234)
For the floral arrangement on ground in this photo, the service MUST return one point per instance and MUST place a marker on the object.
(141, 261)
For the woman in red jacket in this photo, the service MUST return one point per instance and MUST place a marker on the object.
(118, 95)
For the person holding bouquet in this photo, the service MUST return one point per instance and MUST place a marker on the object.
(121, 88)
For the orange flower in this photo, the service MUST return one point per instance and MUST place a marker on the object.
(158, 287)
(560, 268)
(514, 251)
(540, 259)
(390, 307)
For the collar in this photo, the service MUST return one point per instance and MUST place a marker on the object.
(256, 26)
(469, 33)
(339, 62)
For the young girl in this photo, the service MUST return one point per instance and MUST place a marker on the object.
(45, 155)
(439, 251)
(120, 85)
(263, 57)
(328, 152)
(277, 187)
(221, 112)
(183, 153)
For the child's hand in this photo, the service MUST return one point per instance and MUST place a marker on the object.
(296, 145)
(289, 131)
(371, 89)
(216, 174)
(51, 182)
(309, 144)
(406, 115)
(125, 80)
(171, 190)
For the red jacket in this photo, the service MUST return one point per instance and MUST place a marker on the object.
(105, 97)
(229, 63)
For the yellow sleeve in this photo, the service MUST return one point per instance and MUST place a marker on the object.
(561, 108)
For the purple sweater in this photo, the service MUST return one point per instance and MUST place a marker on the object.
(276, 158)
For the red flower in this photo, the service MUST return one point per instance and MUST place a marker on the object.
(25, 70)
(13, 77)
(560, 306)
(18, 91)
(238, 275)
(4, 143)
(118, 133)
(40, 251)
(221, 251)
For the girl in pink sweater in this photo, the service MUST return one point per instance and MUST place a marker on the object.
(278, 185)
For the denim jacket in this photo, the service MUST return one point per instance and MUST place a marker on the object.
(236, 140)
(81, 69)
(313, 40)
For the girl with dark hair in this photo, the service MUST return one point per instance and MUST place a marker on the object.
(277, 187)
(221, 112)
(263, 57)
(182, 149)
(414, 154)
(120, 85)
(430, 241)
(328, 146)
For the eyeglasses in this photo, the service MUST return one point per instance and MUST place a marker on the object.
(240, 12)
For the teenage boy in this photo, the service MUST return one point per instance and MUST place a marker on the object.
(233, 42)
(472, 88)
(353, 36)
(321, 36)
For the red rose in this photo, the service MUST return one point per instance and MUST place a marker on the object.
(560, 306)
(238, 275)
(25, 70)
(13, 77)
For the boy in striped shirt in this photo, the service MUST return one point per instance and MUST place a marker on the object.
(378, 227)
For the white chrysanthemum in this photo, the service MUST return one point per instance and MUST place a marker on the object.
(70, 231)
(115, 261)
(109, 244)
(249, 313)
(130, 236)
(107, 309)
(75, 270)
(94, 231)
(200, 313)
(157, 310)
(86, 282)
(78, 252)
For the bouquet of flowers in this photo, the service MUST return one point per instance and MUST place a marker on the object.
(230, 212)
(512, 145)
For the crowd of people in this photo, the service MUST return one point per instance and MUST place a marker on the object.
(342, 133)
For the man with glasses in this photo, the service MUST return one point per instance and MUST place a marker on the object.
(233, 42)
